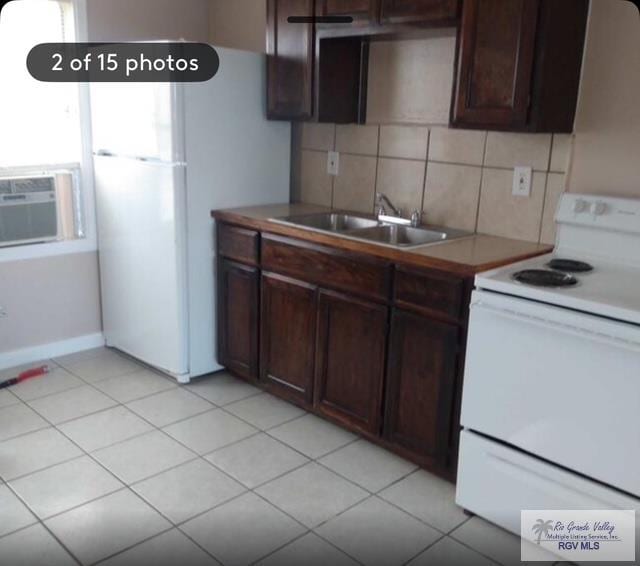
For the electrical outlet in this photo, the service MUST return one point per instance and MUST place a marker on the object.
(522, 181)
(3, 312)
(333, 163)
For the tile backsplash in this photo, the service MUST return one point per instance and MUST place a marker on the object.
(456, 178)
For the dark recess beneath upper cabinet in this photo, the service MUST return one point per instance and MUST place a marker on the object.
(518, 62)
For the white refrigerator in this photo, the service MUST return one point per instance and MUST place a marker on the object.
(165, 155)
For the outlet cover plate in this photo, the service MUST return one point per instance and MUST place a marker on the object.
(522, 181)
(333, 163)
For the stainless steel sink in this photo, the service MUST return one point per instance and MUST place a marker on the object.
(401, 236)
(331, 221)
(369, 229)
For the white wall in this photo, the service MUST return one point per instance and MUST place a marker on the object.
(606, 153)
(238, 23)
(127, 20)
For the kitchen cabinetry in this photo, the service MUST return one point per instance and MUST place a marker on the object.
(519, 64)
(418, 11)
(290, 60)
(350, 360)
(288, 328)
(362, 11)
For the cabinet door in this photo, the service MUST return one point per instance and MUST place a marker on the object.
(423, 360)
(418, 11)
(360, 10)
(290, 60)
(495, 63)
(288, 334)
(350, 360)
(238, 292)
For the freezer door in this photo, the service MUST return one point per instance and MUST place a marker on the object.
(138, 120)
(142, 249)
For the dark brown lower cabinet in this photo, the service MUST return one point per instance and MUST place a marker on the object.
(238, 297)
(287, 337)
(350, 360)
(421, 375)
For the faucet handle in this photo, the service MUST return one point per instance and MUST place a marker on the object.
(415, 218)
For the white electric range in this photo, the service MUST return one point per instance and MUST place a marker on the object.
(551, 397)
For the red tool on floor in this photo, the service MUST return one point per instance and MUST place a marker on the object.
(35, 372)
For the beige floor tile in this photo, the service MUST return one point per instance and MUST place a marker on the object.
(105, 428)
(376, 533)
(256, 460)
(188, 490)
(104, 365)
(246, 529)
(309, 550)
(72, 404)
(312, 436)
(264, 411)
(64, 486)
(368, 465)
(448, 552)
(428, 498)
(56, 381)
(126, 388)
(222, 388)
(143, 456)
(7, 398)
(106, 526)
(170, 406)
(312, 494)
(13, 513)
(19, 419)
(35, 451)
(210, 431)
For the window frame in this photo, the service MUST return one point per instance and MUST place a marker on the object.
(88, 243)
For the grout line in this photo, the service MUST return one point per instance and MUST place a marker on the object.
(424, 180)
(484, 158)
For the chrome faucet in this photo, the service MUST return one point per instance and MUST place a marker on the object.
(384, 199)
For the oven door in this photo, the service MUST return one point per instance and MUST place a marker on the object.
(556, 383)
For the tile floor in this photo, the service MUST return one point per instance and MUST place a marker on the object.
(104, 461)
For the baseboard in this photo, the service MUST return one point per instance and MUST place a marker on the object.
(51, 350)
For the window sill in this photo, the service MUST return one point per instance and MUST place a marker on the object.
(48, 249)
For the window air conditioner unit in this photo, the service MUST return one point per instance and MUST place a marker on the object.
(28, 210)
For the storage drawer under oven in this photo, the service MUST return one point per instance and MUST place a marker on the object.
(556, 383)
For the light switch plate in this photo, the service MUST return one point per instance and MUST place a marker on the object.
(522, 181)
(333, 163)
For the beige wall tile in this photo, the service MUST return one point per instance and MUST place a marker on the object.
(502, 214)
(357, 139)
(409, 142)
(555, 188)
(457, 146)
(403, 182)
(315, 183)
(514, 150)
(560, 152)
(355, 186)
(399, 89)
(451, 195)
(318, 136)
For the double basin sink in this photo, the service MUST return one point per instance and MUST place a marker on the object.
(365, 228)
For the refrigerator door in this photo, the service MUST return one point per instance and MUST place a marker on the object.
(138, 120)
(142, 237)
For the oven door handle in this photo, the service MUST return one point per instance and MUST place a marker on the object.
(575, 330)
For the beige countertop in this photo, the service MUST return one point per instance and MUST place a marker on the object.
(466, 256)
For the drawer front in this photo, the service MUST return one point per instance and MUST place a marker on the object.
(327, 267)
(238, 243)
(429, 292)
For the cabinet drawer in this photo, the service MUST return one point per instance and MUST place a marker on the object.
(327, 267)
(238, 243)
(429, 292)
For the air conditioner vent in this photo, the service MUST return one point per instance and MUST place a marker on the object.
(26, 185)
(5, 186)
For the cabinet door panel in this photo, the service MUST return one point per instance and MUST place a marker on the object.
(290, 60)
(238, 292)
(350, 360)
(422, 367)
(418, 11)
(495, 65)
(288, 332)
(355, 8)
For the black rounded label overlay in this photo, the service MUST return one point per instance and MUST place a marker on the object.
(123, 62)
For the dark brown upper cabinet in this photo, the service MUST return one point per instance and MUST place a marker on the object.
(290, 48)
(418, 11)
(363, 12)
(519, 64)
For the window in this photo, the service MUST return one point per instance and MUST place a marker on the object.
(41, 132)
